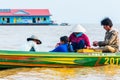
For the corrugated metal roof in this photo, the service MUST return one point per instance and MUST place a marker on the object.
(24, 12)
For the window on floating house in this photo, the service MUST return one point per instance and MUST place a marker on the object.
(38, 20)
(4, 20)
(33, 20)
(8, 20)
(44, 19)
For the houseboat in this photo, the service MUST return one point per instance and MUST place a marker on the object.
(25, 16)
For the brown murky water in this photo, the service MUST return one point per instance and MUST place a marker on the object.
(110, 72)
(11, 40)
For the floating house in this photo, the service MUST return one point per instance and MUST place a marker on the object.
(25, 16)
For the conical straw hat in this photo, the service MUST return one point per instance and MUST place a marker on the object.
(78, 28)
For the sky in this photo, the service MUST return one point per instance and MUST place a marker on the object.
(71, 11)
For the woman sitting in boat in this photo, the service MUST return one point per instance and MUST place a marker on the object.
(78, 38)
(63, 46)
(32, 44)
(111, 40)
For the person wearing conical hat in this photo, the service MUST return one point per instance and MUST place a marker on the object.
(32, 44)
(78, 38)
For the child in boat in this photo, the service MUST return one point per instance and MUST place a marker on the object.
(111, 40)
(78, 38)
(63, 46)
(32, 44)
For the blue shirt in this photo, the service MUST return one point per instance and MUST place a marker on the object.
(62, 48)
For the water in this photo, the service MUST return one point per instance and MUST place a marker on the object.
(87, 73)
(12, 37)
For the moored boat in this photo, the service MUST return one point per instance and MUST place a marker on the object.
(12, 59)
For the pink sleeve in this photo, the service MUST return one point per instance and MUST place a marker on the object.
(87, 40)
(70, 37)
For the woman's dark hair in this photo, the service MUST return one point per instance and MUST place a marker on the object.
(64, 38)
(107, 21)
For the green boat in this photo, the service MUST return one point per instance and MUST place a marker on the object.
(13, 59)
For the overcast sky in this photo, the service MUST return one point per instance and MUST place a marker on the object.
(71, 11)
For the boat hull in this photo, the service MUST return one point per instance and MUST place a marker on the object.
(11, 59)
